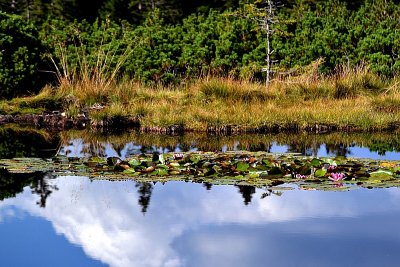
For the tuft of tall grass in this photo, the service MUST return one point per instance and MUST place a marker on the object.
(350, 82)
(92, 79)
(387, 103)
(231, 89)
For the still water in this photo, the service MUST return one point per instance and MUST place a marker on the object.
(74, 221)
(103, 223)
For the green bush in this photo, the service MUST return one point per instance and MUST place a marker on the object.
(225, 44)
(20, 56)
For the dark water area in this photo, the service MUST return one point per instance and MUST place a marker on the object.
(48, 220)
(27, 142)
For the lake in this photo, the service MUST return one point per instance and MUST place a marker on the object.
(53, 220)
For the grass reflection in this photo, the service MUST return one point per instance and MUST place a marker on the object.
(338, 144)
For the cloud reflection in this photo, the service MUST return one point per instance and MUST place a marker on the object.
(104, 218)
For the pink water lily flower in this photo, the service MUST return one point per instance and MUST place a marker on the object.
(336, 176)
(300, 176)
(331, 168)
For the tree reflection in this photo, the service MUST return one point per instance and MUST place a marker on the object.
(43, 189)
(247, 193)
(144, 191)
(266, 147)
(27, 143)
(338, 149)
(207, 185)
(12, 184)
(304, 149)
(270, 192)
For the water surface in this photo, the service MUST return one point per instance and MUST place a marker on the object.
(367, 145)
(75, 221)
(90, 223)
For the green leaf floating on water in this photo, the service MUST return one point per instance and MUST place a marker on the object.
(316, 162)
(331, 161)
(268, 163)
(160, 172)
(195, 158)
(382, 175)
(320, 173)
(134, 162)
(257, 169)
(130, 171)
(242, 166)
(162, 166)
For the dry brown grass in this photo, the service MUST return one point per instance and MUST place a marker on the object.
(225, 101)
(349, 96)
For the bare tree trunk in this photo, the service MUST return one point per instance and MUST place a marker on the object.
(268, 21)
(268, 49)
(28, 4)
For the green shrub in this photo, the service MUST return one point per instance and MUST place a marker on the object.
(20, 57)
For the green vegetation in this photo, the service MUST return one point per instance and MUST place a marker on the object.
(239, 168)
(199, 65)
(20, 56)
(360, 99)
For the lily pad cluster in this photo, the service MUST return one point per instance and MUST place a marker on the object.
(256, 165)
(257, 169)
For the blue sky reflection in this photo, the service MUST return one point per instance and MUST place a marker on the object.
(186, 225)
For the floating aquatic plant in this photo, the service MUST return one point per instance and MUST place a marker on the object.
(243, 167)
(300, 176)
(336, 176)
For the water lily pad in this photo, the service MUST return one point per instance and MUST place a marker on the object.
(316, 162)
(320, 173)
(224, 168)
(160, 172)
(195, 158)
(242, 166)
(381, 175)
(134, 162)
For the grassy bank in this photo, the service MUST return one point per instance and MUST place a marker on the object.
(349, 97)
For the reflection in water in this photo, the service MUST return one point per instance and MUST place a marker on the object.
(144, 191)
(13, 183)
(42, 184)
(189, 226)
(247, 192)
(43, 189)
(25, 142)
(84, 144)
(203, 225)
(207, 185)
(341, 150)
